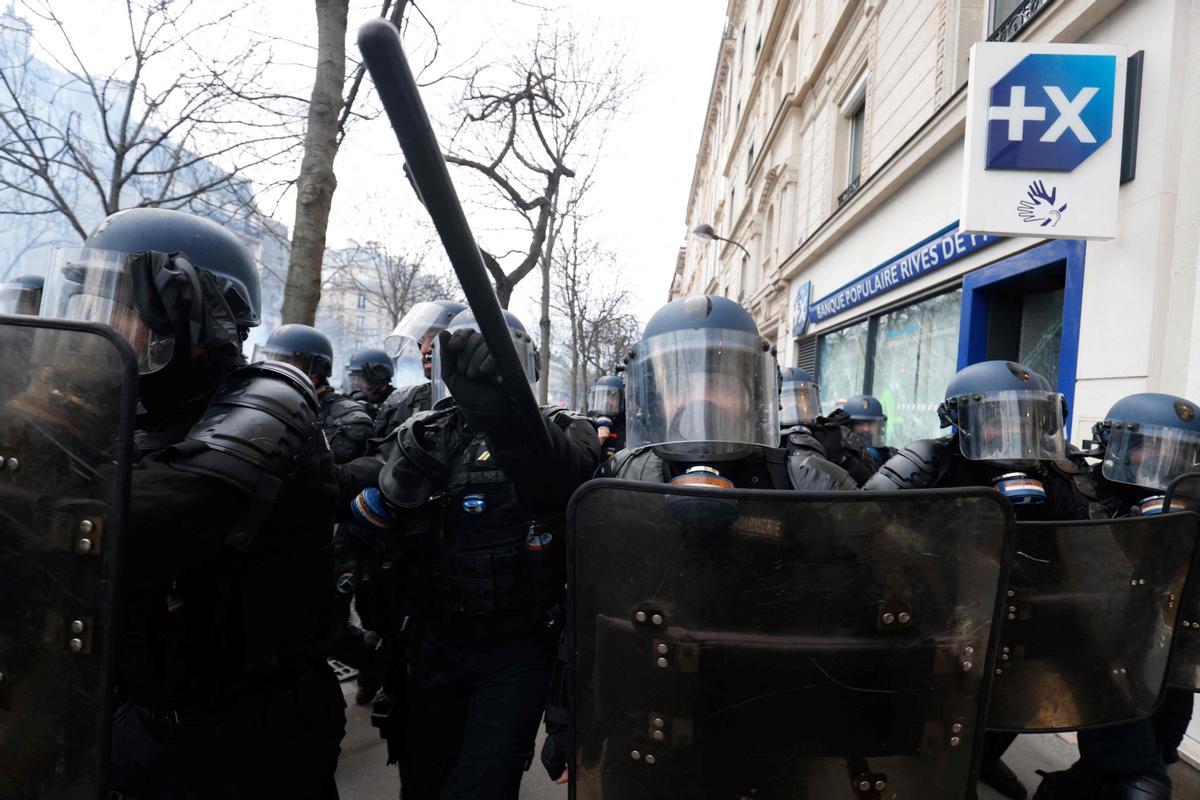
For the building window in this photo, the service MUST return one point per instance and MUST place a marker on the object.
(1006, 18)
(360, 323)
(916, 355)
(854, 112)
(905, 357)
(361, 301)
(842, 363)
(749, 160)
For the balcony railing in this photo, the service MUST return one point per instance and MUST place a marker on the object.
(1011, 27)
(849, 191)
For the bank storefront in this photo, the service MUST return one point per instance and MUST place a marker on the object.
(1021, 306)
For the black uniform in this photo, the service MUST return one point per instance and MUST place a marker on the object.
(839, 444)
(401, 404)
(224, 688)
(479, 539)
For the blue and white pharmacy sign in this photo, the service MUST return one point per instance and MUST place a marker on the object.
(1043, 140)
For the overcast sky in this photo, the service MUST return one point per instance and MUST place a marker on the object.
(640, 195)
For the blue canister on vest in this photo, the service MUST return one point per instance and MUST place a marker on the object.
(1020, 489)
(474, 504)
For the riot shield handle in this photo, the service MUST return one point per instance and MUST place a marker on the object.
(382, 52)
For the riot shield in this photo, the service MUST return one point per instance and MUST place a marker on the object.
(1089, 622)
(1184, 492)
(66, 415)
(736, 644)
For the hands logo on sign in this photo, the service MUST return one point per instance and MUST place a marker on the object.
(1050, 112)
(1040, 205)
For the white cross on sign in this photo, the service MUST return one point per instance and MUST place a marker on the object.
(1068, 114)
(1017, 113)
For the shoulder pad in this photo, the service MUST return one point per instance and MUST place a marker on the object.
(260, 420)
(639, 464)
(917, 465)
(816, 474)
(563, 417)
(345, 411)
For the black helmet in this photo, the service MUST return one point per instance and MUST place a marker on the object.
(205, 243)
(527, 352)
(800, 397)
(867, 419)
(368, 371)
(302, 346)
(22, 295)
(1004, 411)
(1149, 439)
(607, 398)
(159, 277)
(702, 382)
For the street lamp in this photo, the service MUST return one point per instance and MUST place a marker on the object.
(705, 231)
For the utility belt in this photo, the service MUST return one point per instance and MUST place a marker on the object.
(297, 686)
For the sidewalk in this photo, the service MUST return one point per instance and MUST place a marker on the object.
(363, 775)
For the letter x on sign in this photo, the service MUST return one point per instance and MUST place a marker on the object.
(1050, 112)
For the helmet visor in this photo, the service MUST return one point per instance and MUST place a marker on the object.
(527, 354)
(1150, 456)
(873, 431)
(692, 389)
(605, 400)
(422, 323)
(19, 298)
(94, 286)
(308, 363)
(1011, 426)
(801, 403)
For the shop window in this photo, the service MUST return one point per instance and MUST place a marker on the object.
(915, 351)
(842, 364)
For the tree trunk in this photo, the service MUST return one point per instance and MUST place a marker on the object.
(544, 355)
(315, 187)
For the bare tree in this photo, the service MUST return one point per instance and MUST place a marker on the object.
(169, 127)
(599, 325)
(328, 114)
(525, 126)
(389, 282)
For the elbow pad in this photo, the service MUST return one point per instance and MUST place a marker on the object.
(915, 466)
(258, 428)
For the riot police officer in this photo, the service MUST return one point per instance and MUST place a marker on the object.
(475, 514)
(223, 688)
(702, 399)
(703, 403)
(1144, 442)
(21, 295)
(1007, 433)
(800, 396)
(606, 408)
(868, 421)
(413, 336)
(347, 423)
(368, 377)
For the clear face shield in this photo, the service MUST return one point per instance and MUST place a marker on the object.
(527, 354)
(1149, 456)
(308, 363)
(1012, 426)
(801, 404)
(873, 431)
(605, 401)
(702, 393)
(20, 298)
(415, 331)
(94, 286)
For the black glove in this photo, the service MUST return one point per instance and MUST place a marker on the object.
(471, 376)
(555, 751)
